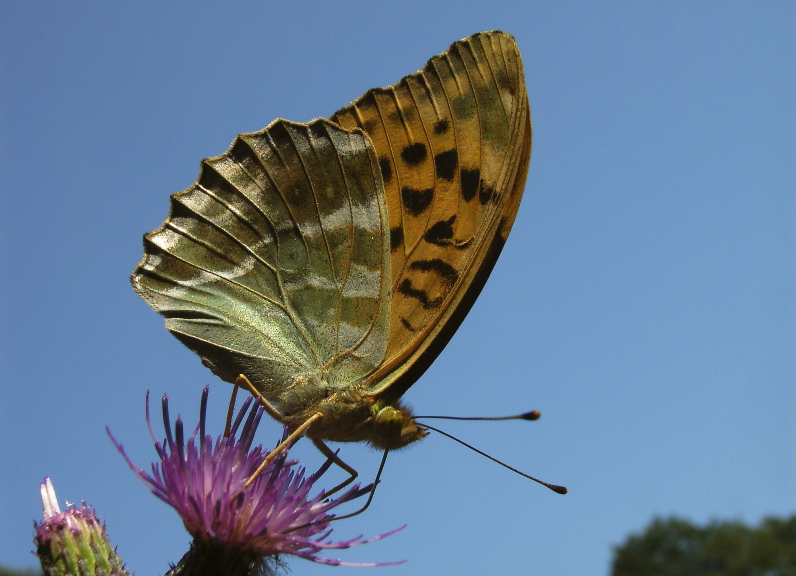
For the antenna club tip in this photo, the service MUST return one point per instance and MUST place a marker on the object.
(532, 415)
(558, 489)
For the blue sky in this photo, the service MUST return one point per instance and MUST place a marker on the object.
(644, 302)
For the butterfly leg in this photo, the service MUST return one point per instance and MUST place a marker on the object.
(243, 382)
(372, 490)
(288, 442)
(331, 455)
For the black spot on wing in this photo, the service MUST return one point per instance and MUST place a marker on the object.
(407, 325)
(416, 201)
(446, 163)
(486, 193)
(396, 238)
(386, 169)
(421, 296)
(414, 154)
(440, 233)
(369, 126)
(318, 129)
(447, 272)
(441, 126)
(470, 180)
(504, 82)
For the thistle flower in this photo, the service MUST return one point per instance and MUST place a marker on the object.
(203, 480)
(73, 542)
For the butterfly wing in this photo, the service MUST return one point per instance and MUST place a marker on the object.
(276, 261)
(453, 142)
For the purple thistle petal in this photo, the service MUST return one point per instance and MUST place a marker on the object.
(203, 480)
(203, 411)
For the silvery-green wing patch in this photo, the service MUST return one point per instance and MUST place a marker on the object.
(275, 263)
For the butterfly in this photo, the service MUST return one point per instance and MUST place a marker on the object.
(330, 262)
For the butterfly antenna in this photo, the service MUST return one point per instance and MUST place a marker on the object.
(532, 415)
(554, 487)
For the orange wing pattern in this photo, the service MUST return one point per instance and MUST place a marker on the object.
(453, 142)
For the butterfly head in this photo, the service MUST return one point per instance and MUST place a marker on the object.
(394, 427)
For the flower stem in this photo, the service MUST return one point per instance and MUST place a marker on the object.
(206, 559)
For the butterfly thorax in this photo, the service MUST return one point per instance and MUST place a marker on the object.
(350, 414)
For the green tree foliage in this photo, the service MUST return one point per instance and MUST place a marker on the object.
(5, 571)
(676, 547)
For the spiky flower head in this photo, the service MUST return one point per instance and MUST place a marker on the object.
(73, 542)
(204, 480)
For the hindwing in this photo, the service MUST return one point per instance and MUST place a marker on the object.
(275, 263)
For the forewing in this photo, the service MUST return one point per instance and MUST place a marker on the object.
(453, 142)
(276, 261)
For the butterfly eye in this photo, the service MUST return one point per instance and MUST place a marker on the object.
(389, 421)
